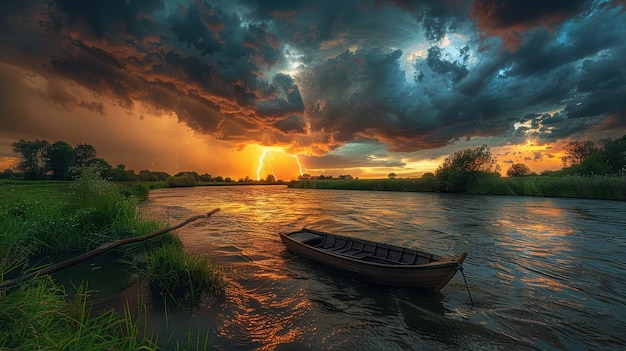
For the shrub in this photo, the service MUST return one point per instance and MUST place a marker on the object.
(518, 170)
(138, 190)
(181, 180)
(183, 277)
(460, 170)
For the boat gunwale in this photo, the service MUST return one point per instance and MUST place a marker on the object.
(439, 261)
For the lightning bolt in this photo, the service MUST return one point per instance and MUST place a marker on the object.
(267, 154)
(187, 142)
(258, 170)
(298, 162)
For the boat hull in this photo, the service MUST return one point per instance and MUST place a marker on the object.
(372, 262)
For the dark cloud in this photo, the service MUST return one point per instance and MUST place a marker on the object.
(291, 124)
(510, 19)
(436, 16)
(285, 98)
(456, 69)
(110, 18)
(413, 75)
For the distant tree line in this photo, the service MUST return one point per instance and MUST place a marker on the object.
(461, 170)
(40, 159)
(307, 176)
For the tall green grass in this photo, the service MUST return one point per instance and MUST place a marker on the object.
(71, 216)
(590, 187)
(40, 318)
(183, 278)
(586, 187)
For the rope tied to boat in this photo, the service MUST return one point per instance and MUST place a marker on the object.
(466, 285)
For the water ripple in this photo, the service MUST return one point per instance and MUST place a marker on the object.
(545, 274)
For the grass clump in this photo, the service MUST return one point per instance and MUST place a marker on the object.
(137, 190)
(183, 278)
(38, 317)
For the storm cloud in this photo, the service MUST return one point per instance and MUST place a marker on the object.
(314, 76)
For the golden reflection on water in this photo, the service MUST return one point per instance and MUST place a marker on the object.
(536, 238)
(255, 318)
(538, 223)
(544, 282)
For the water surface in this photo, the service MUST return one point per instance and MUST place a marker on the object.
(544, 273)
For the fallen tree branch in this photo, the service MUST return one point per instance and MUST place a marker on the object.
(100, 249)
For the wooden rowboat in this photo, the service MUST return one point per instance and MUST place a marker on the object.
(373, 262)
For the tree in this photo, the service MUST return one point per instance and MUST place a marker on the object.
(576, 152)
(595, 164)
(102, 167)
(59, 159)
(206, 177)
(194, 174)
(392, 175)
(459, 170)
(608, 156)
(33, 157)
(270, 178)
(183, 179)
(614, 152)
(7, 174)
(160, 175)
(83, 153)
(121, 174)
(518, 170)
(144, 175)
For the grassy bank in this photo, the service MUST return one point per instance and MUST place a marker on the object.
(587, 187)
(584, 187)
(40, 218)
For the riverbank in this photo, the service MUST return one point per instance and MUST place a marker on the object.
(584, 187)
(43, 219)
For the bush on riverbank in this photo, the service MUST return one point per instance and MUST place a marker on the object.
(183, 180)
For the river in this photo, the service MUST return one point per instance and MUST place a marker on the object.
(544, 273)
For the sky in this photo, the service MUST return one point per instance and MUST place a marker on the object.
(248, 88)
